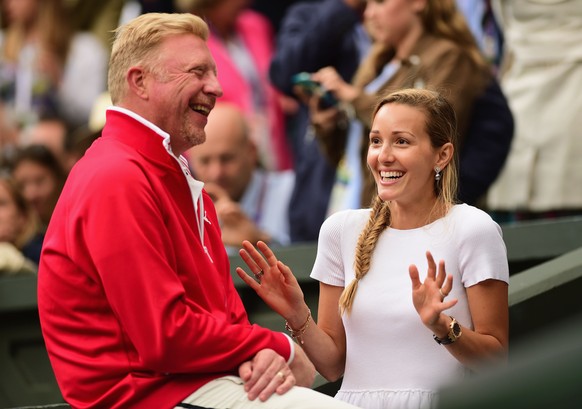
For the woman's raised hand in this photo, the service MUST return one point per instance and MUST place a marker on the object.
(273, 281)
(429, 296)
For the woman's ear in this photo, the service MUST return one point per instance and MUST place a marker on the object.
(445, 155)
(419, 5)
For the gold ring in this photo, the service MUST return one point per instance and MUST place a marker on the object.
(281, 375)
(441, 293)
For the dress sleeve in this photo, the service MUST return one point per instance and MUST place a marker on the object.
(482, 251)
(329, 266)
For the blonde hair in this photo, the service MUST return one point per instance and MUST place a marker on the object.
(441, 126)
(136, 42)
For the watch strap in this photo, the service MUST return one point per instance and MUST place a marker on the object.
(452, 336)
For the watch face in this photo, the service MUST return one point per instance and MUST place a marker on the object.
(456, 329)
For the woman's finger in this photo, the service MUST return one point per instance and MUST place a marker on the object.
(431, 273)
(414, 276)
(256, 256)
(267, 253)
(247, 279)
(442, 274)
(249, 261)
(448, 285)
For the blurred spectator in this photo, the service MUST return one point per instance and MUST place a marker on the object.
(274, 10)
(46, 67)
(51, 131)
(78, 142)
(484, 26)
(251, 202)
(40, 177)
(20, 240)
(541, 76)
(313, 35)
(241, 42)
(8, 135)
(422, 45)
(98, 17)
(133, 8)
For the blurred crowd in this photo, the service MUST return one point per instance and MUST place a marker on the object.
(282, 153)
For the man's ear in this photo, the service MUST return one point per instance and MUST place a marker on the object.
(445, 155)
(136, 80)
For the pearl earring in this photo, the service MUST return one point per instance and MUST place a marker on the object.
(437, 175)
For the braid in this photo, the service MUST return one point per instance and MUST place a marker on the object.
(377, 223)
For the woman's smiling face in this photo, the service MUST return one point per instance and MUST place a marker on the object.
(401, 156)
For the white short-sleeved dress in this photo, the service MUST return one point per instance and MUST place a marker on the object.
(392, 360)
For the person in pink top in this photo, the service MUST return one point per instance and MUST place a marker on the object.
(136, 302)
(242, 43)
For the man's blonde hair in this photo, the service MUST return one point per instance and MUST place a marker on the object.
(136, 42)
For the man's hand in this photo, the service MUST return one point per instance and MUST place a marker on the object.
(302, 368)
(265, 374)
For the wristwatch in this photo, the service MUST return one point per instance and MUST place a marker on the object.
(454, 333)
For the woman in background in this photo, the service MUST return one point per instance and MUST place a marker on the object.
(416, 44)
(20, 239)
(46, 67)
(40, 177)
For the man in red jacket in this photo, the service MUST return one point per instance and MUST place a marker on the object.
(136, 301)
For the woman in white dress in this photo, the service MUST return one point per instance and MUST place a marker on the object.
(382, 337)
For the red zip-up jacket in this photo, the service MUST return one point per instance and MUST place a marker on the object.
(134, 313)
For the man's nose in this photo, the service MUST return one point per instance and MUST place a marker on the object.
(213, 86)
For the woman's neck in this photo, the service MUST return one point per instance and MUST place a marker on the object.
(413, 216)
(404, 48)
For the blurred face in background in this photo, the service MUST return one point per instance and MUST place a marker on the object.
(51, 133)
(20, 11)
(12, 218)
(228, 157)
(390, 21)
(224, 13)
(39, 186)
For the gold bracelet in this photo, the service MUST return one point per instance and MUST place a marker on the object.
(297, 335)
